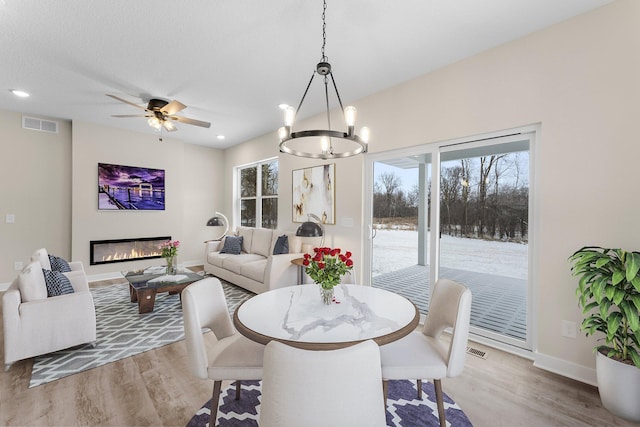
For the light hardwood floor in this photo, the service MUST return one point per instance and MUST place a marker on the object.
(156, 389)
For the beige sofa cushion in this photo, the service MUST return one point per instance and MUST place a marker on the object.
(247, 238)
(254, 270)
(234, 263)
(262, 244)
(31, 283)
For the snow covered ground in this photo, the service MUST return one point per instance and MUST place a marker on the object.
(397, 249)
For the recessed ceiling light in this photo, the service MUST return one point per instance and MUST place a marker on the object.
(283, 106)
(20, 93)
(220, 137)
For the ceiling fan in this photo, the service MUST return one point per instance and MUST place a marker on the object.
(161, 114)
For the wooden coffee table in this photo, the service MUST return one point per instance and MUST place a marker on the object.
(145, 284)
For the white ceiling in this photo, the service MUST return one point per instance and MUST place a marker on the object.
(233, 61)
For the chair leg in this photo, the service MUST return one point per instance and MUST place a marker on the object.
(438, 386)
(419, 386)
(238, 385)
(217, 385)
(385, 392)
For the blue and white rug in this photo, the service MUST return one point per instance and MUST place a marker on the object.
(122, 331)
(403, 407)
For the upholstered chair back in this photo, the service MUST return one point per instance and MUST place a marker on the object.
(204, 306)
(450, 307)
(322, 388)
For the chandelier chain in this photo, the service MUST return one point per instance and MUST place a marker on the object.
(324, 30)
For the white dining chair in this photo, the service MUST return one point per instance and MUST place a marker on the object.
(322, 388)
(232, 356)
(422, 354)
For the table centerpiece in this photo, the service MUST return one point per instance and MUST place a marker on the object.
(326, 267)
(169, 251)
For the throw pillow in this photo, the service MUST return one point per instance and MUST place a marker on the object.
(31, 283)
(282, 245)
(232, 245)
(58, 264)
(57, 283)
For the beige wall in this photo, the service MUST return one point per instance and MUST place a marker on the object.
(579, 80)
(192, 185)
(35, 186)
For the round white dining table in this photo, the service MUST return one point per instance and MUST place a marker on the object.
(296, 316)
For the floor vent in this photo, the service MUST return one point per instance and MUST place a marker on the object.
(475, 352)
(42, 125)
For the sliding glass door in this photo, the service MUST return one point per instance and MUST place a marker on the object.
(457, 210)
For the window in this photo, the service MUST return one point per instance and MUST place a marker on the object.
(259, 194)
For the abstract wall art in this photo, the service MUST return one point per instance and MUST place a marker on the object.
(314, 192)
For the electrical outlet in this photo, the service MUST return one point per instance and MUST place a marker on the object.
(10, 218)
(569, 329)
(18, 265)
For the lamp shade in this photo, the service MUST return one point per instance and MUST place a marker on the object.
(214, 222)
(219, 220)
(309, 229)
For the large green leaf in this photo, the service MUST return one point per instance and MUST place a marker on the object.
(603, 308)
(618, 296)
(613, 323)
(636, 283)
(631, 313)
(618, 276)
(633, 265)
(635, 299)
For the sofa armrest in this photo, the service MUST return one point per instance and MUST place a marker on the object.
(76, 266)
(10, 309)
(212, 246)
(78, 280)
(280, 272)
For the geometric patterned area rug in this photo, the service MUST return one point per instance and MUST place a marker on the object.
(403, 407)
(122, 332)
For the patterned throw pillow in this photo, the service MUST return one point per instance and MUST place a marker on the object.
(232, 245)
(282, 245)
(57, 283)
(58, 264)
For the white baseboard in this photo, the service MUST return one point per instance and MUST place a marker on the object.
(565, 368)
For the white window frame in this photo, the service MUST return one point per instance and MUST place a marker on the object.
(258, 197)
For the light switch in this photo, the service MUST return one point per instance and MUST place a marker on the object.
(10, 219)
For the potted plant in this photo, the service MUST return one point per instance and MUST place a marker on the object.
(609, 294)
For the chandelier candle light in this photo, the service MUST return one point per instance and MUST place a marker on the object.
(347, 143)
(170, 254)
(326, 267)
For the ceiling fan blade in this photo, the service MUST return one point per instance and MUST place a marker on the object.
(173, 107)
(126, 102)
(191, 121)
(131, 115)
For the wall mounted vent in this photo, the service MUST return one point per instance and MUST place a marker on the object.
(42, 125)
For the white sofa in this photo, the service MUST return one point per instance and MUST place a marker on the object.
(255, 268)
(35, 324)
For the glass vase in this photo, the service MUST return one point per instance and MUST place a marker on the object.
(172, 264)
(327, 295)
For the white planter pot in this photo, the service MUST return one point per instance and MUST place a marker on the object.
(619, 387)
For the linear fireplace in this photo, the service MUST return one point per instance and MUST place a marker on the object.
(120, 250)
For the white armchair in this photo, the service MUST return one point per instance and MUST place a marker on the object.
(35, 324)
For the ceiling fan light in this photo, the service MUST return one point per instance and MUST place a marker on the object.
(168, 125)
(154, 122)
